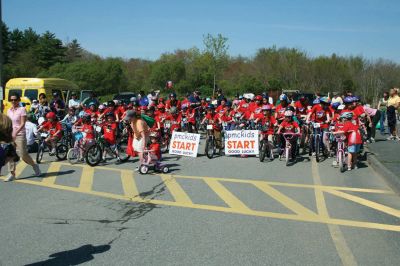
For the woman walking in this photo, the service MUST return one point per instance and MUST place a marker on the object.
(392, 105)
(382, 107)
(17, 115)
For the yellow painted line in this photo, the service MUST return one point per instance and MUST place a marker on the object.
(343, 250)
(365, 202)
(226, 195)
(20, 168)
(53, 170)
(310, 186)
(285, 200)
(293, 217)
(176, 190)
(86, 182)
(128, 184)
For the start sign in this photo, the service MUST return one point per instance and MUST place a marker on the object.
(241, 142)
(185, 144)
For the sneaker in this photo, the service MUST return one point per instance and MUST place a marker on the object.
(390, 138)
(355, 167)
(313, 154)
(9, 178)
(137, 169)
(334, 163)
(349, 169)
(37, 170)
(372, 140)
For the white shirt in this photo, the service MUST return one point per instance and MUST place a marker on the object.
(31, 131)
(337, 100)
(73, 103)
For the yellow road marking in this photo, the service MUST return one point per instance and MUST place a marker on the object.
(176, 190)
(53, 170)
(365, 202)
(285, 200)
(86, 182)
(226, 195)
(293, 217)
(20, 168)
(342, 248)
(128, 184)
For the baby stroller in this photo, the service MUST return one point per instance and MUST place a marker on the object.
(151, 162)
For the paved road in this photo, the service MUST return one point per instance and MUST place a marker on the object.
(224, 211)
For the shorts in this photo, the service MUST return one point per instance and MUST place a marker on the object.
(138, 144)
(354, 148)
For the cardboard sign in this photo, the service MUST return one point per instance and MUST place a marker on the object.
(241, 142)
(184, 144)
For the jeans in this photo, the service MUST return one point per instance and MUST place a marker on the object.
(382, 122)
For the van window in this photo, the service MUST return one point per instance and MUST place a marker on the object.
(31, 94)
(10, 92)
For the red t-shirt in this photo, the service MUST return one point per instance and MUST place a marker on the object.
(280, 112)
(269, 122)
(352, 133)
(300, 109)
(52, 128)
(155, 148)
(88, 129)
(175, 121)
(319, 115)
(93, 114)
(160, 118)
(213, 119)
(355, 116)
(169, 104)
(110, 132)
(289, 127)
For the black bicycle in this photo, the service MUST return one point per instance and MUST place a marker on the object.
(61, 149)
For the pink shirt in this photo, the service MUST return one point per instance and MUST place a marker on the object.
(15, 115)
(370, 111)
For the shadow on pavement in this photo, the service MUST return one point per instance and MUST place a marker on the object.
(51, 174)
(74, 256)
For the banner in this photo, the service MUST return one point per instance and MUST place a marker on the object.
(241, 142)
(185, 144)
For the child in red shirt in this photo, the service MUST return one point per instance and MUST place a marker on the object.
(267, 121)
(155, 149)
(88, 133)
(53, 127)
(289, 126)
(354, 139)
(109, 129)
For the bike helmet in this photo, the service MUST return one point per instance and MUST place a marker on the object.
(81, 114)
(290, 108)
(266, 107)
(325, 100)
(283, 97)
(102, 107)
(211, 107)
(341, 107)
(356, 98)
(184, 106)
(133, 99)
(348, 99)
(51, 115)
(153, 134)
(172, 95)
(110, 103)
(238, 115)
(316, 101)
(110, 114)
(346, 115)
(116, 102)
(335, 105)
(161, 106)
(289, 113)
(258, 98)
(92, 104)
(208, 99)
(173, 110)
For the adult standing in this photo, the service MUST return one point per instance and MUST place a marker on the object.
(375, 116)
(57, 105)
(140, 131)
(336, 98)
(17, 115)
(74, 102)
(91, 99)
(392, 104)
(382, 107)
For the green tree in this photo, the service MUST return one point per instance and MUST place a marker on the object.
(50, 50)
(73, 52)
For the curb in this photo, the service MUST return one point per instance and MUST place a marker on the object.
(391, 179)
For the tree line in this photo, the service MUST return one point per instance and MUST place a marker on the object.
(27, 53)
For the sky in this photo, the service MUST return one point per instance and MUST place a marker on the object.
(146, 29)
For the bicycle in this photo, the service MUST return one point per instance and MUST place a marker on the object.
(315, 142)
(288, 147)
(61, 149)
(266, 147)
(95, 152)
(341, 152)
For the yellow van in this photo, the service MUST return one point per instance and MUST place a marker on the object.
(30, 88)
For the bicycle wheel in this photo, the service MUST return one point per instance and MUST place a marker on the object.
(39, 154)
(209, 148)
(122, 148)
(263, 151)
(317, 149)
(61, 152)
(341, 161)
(93, 155)
(287, 154)
(73, 155)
